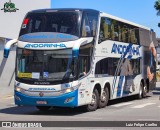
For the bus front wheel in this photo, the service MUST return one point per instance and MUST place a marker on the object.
(94, 103)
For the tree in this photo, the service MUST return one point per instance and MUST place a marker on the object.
(157, 6)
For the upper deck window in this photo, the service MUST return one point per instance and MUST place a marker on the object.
(111, 29)
(60, 22)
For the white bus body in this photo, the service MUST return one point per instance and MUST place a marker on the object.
(103, 60)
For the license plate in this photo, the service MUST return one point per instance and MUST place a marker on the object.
(41, 102)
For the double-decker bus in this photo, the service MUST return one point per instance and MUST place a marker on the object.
(81, 57)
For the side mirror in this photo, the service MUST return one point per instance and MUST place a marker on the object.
(6, 53)
(8, 46)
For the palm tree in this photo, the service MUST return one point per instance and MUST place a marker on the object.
(157, 6)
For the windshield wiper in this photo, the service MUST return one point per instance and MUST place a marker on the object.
(67, 74)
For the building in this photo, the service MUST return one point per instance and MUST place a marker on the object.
(12, 13)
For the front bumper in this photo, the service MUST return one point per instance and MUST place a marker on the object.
(59, 101)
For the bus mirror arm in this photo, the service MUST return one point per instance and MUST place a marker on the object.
(8, 46)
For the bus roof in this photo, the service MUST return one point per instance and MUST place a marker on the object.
(91, 10)
(64, 9)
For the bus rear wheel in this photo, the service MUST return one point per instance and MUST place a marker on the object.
(43, 108)
(104, 98)
(94, 103)
(142, 91)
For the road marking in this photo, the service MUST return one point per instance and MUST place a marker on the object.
(8, 97)
(122, 104)
(95, 118)
(143, 105)
(147, 119)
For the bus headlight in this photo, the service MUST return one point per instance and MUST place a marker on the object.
(18, 89)
(68, 90)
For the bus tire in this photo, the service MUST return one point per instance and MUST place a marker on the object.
(104, 98)
(142, 91)
(94, 103)
(43, 108)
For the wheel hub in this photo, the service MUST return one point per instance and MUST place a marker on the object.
(93, 99)
(103, 97)
(145, 89)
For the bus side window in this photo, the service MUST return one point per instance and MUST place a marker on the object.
(133, 35)
(124, 33)
(112, 30)
(85, 59)
(129, 34)
(101, 31)
(105, 28)
(92, 18)
(86, 31)
(120, 31)
(107, 66)
(116, 30)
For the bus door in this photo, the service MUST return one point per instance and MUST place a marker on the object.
(84, 66)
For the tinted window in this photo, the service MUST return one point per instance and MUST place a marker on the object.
(48, 65)
(86, 30)
(106, 66)
(117, 31)
(62, 22)
(93, 20)
(89, 24)
(85, 59)
(115, 66)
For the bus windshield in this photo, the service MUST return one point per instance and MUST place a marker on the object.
(60, 22)
(40, 65)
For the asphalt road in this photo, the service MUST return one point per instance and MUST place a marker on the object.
(125, 109)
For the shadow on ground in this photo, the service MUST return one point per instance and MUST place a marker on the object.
(29, 110)
(126, 99)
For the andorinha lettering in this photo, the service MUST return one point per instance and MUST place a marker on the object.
(45, 45)
(41, 89)
(121, 49)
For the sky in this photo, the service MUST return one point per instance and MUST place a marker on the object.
(138, 11)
